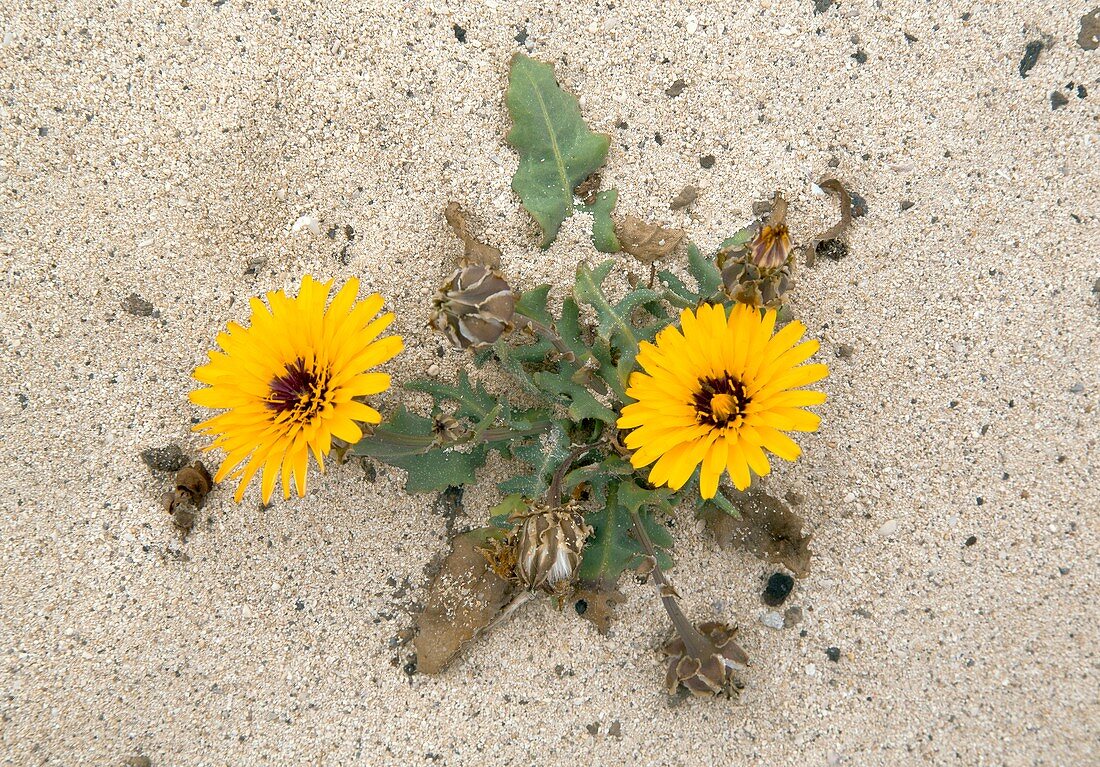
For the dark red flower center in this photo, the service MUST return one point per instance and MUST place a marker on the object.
(300, 391)
(720, 401)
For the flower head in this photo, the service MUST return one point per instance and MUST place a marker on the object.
(474, 308)
(292, 381)
(548, 547)
(719, 391)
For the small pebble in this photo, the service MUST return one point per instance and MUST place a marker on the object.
(307, 222)
(1058, 100)
(778, 589)
(772, 619)
(460, 33)
(906, 204)
(859, 205)
(860, 56)
(1031, 56)
(675, 89)
(833, 654)
(889, 528)
(692, 25)
(820, 6)
(971, 540)
(792, 616)
(1077, 388)
(433, 370)
(616, 729)
(811, 669)
(706, 161)
(844, 351)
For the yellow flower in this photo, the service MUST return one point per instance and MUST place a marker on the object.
(290, 382)
(719, 391)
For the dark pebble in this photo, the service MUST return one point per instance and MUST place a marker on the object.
(1081, 91)
(675, 89)
(299, 605)
(657, 137)
(616, 729)
(1031, 56)
(971, 540)
(137, 306)
(979, 501)
(859, 205)
(43, 132)
(460, 33)
(860, 56)
(706, 161)
(1096, 286)
(820, 6)
(906, 204)
(778, 589)
(580, 606)
(521, 36)
(593, 729)
(1058, 100)
(844, 351)
(167, 458)
(833, 654)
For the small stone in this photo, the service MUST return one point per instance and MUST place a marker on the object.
(1031, 56)
(889, 528)
(433, 370)
(772, 619)
(167, 458)
(860, 56)
(686, 197)
(1088, 37)
(521, 35)
(1077, 388)
(971, 540)
(692, 25)
(706, 161)
(593, 729)
(137, 306)
(811, 669)
(778, 589)
(1096, 286)
(1082, 91)
(1057, 100)
(138, 761)
(906, 204)
(307, 222)
(833, 654)
(792, 616)
(675, 89)
(43, 132)
(859, 205)
(616, 729)
(845, 351)
(820, 6)
(460, 33)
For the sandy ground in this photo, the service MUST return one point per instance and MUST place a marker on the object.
(166, 148)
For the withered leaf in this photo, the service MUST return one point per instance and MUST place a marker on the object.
(588, 188)
(646, 242)
(767, 528)
(1089, 35)
(462, 599)
(686, 197)
(475, 251)
(193, 483)
(599, 601)
(833, 186)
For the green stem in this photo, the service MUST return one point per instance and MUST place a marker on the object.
(551, 336)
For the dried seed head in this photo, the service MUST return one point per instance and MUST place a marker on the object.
(549, 543)
(446, 428)
(474, 308)
(746, 279)
(710, 672)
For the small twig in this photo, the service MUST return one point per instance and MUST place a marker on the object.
(551, 336)
(553, 493)
(509, 611)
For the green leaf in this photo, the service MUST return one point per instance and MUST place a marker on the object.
(474, 402)
(557, 150)
(612, 549)
(532, 303)
(705, 271)
(577, 398)
(603, 228)
(440, 468)
(543, 456)
(403, 434)
(509, 505)
(676, 292)
(741, 238)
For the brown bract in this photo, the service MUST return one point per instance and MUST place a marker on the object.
(474, 307)
(589, 188)
(646, 242)
(833, 186)
(708, 669)
(598, 600)
(686, 197)
(475, 251)
(462, 599)
(549, 543)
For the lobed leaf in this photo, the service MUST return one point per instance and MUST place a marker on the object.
(543, 456)
(474, 402)
(603, 226)
(557, 150)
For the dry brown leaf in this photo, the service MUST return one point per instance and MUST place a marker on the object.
(588, 188)
(835, 187)
(599, 601)
(646, 242)
(463, 598)
(767, 528)
(1089, 35)
(193, 483)
(475, 251)
(686, 197)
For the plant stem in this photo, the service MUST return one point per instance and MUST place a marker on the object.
(553, 493)
(694, 642)
(551, 336)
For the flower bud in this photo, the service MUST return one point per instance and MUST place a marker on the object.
(549, 544)
(474, 308)
(710, 668)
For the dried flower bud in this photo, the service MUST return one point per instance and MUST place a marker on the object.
(548, 548)
(446, 428)
(708, 672)
(772, 243)
(474, 308)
